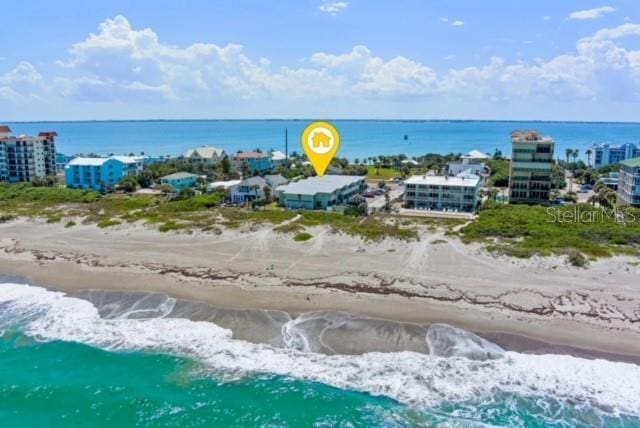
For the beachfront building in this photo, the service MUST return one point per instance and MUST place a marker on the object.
(100, 174)
(606, 154)
(321, 193)
(179, 180)
(256, 162)
(247, 190)
(473, 162)
(204, 155)
(23, 158)
(629, 183)
(442, 193)
(530, 172)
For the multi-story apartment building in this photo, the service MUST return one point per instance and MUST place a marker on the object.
(257, 162)
(442, 193)
(23, 158)
(606, 154)
(100, 174)
(530, 172)
(629, 183)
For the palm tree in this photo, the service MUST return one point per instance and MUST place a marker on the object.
(574, 155)
(568, 153)
(589, 153)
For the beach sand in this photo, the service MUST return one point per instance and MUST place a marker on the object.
(537, 305)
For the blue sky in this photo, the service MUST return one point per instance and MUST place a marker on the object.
(564, 60)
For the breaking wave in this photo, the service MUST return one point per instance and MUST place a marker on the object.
(460, 367)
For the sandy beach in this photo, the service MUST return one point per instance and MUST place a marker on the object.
(537, 305)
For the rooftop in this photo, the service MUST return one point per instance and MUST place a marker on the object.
(461, 180)
(206, 152)
(251, 155)
(277, 155)
(88, 161)
(5, 129)
(178, 176)
(633, 163)
(475, 154)
(324, 184)
(531, 136)
(224, 184)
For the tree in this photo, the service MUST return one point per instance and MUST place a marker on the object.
(145, 178)
(202, 184)
(129, 183)
(377, 168)
(589, 153)
(244, 169)
(568, 153)
(387, 201)
(225, 164)
(267, 193)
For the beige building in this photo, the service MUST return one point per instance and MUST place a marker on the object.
(206, 155)
(23, 158)
(530, 172)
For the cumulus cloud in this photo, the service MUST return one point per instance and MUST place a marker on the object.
(334, 8)
(594, 13)
(120, 63)
(24, 81)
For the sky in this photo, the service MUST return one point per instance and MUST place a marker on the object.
(364, 59)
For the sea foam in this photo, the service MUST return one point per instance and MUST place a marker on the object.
(413, 378)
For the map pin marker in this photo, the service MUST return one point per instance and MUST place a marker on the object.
(320, 142)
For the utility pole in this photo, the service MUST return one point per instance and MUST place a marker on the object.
(286, 149)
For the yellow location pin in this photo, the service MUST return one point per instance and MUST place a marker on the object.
(320, 141)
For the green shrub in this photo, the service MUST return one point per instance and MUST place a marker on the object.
(107, 223)
(70, 224)
(302, 236)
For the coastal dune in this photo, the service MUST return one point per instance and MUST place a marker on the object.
(348, 295)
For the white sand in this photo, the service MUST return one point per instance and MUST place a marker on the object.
(542, 298)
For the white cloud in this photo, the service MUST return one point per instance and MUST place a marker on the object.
(334, 8)
(123, 64)
(454, 23)
(595, 13)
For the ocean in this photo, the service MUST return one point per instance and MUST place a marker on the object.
(116, 361)
(359, 138)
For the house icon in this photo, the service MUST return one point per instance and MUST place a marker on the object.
(321, 139)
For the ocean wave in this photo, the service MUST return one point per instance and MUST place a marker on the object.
(413, 378)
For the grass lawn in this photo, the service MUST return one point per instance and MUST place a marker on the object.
(579, 230)
(385, 173)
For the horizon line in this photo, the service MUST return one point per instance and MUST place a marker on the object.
(327, 119)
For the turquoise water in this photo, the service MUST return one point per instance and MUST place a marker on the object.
(60, 384)
(63, 365)
(359, 138)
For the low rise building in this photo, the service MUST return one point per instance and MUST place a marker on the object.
(629, 183)
(248, 190)
(256, 162)
(100, 174)
(442, 193)
(179, 180)
(473, 162)
(320, 193)
(610, 180)
(606, 154)
(23, 158)
(278, 159)
(531, 164)
(205, 155)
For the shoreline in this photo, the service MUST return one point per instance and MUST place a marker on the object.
(505, 331)
(531, 306)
